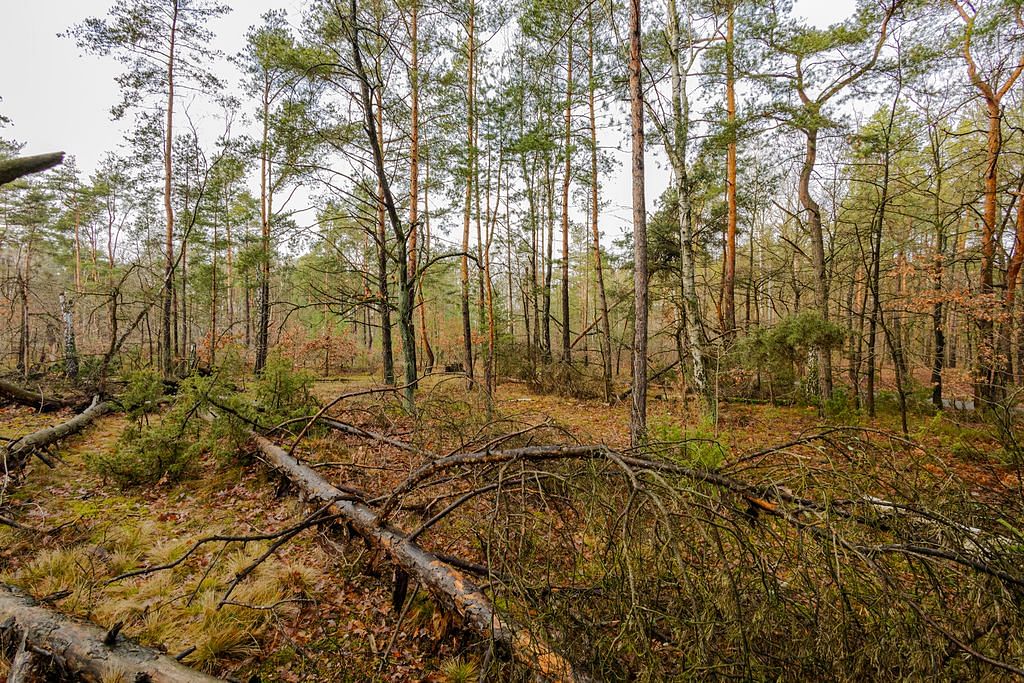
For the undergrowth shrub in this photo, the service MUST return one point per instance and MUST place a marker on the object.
(141, 395)
(165, 449)
(697, 445)
(784, 353)
(209, 417)
(840, 408)
(282, 392)
(561, 379)
(147, 454)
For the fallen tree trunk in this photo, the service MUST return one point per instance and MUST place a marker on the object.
(37, 442)
(453, 588)
(34, 399)
(78, 650)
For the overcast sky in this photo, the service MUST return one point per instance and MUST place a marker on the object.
(59, 99)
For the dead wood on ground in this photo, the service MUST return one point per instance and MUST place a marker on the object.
(37, 442)
(35, 399)
(66, 648)
(454, 589)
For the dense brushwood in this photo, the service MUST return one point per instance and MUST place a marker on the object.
(451, 587)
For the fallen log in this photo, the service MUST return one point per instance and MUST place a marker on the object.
(454, 589)
(78, 650)
(37, 442)
(34, 399)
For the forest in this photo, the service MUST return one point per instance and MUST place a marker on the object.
(556, 340)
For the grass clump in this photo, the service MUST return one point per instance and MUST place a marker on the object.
(458, 670)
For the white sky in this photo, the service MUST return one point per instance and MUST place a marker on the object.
(59, 99)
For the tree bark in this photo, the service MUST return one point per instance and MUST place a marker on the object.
(165, 322)
(467, 325)
(549, 263)
(817, 256)
(729, 272)
(938, 331)
(566, 182)
(406, 283)
(386, 341)
(70, 350)
(988, 383)
(638, 410)
(79, 650)
(691, 313)
(12, 169)
(428, 351)
(606, 332)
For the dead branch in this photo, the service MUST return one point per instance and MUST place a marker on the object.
(35, 399)
(764, 498)
(12, 169)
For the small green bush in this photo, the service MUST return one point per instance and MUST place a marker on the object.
(282, 392)
(840, 406)
(144, 390)
(697, 446)
(147, 455)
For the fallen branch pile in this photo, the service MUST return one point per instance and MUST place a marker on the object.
(863, 528)
(604, 563)
(453, 588)
(42, 644)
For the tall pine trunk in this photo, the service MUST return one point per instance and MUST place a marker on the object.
(566, 181)
(467, 325)
(168, 286)
(386, 343)
(729, 271)
(638, 408)
(606, 332)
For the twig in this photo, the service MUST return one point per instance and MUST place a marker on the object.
(309, 521)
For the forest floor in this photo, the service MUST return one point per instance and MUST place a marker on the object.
(320, 608)
(331, 617)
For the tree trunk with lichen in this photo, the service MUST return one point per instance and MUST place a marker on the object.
(70, 649)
